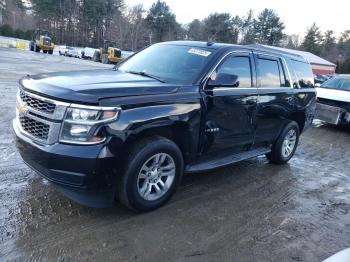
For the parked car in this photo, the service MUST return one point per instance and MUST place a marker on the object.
(320, 79)
(72, 52)
(333, 100)
(88, 53)
(63, 50)
(129, 133)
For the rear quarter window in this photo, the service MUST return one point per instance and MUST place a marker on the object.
(304, 77)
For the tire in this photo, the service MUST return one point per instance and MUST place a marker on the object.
(96, 57)
(104, 59)
(44, 51)
(31, 47)
(50, 52)
(285, 146)
(136, 186)
(36, 49)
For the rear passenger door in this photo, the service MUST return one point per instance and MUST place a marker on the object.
(276, 97)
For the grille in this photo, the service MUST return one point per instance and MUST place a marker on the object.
(47, 41)
(37, 104)
(35, 128)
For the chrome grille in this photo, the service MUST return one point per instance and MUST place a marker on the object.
(35, 128)
(40, 118)
(37, 104)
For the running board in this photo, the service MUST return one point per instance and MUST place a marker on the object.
(224, 161)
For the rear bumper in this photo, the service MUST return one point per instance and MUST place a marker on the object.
(86, 174)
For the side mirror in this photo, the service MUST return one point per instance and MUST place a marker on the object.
(224, 80)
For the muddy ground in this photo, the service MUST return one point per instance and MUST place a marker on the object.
(252, 211)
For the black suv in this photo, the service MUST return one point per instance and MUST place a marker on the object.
(129, 133)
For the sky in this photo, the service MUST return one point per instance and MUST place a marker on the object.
(296, 14)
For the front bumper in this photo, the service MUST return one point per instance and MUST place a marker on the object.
(47, 47)
(332, 114)
(86, 174)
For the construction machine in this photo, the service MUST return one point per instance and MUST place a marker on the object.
(108, 54)
(42, 40)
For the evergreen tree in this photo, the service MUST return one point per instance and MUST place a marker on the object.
(220, 27)
(312, 40)
(162, 21)
(268, 28)
(247, 28)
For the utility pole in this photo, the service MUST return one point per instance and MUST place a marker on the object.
(150, 37)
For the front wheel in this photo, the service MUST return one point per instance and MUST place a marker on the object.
(36, 48)
(285, 146)
(153, 169)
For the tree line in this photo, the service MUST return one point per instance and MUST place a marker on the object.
(90, 22)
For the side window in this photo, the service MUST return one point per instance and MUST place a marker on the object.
(238, 66)
(303, 72)
(270, 73)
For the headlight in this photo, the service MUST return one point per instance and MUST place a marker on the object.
(80, 125)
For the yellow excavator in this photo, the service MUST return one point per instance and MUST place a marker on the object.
(42, 40)
(108, 54)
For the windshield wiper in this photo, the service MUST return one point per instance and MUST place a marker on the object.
(146, 75)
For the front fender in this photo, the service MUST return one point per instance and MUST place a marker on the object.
(181, 118)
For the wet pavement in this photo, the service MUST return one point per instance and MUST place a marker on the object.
(251, 211)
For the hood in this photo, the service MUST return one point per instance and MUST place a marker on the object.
(333, 94)
(93, 85)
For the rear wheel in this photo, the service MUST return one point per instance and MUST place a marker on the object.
(44, 51)
(50, 52)
(153, 169)
(285, 146)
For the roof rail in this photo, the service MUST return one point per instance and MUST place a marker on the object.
(273, 49)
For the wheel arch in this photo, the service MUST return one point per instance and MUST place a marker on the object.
(299, 118)
(178, 132)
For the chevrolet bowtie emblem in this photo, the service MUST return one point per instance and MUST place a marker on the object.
(22, 109)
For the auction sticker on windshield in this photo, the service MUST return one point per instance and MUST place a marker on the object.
(199, 52)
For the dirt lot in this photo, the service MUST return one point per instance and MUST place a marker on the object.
(252, 211)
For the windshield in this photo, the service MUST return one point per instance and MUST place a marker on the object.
(44, 33)
(170, 63)
(340, 83)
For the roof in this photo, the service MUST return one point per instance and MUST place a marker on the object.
(200, 44)
(311, 58)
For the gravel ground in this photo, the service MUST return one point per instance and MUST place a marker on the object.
(252, 211)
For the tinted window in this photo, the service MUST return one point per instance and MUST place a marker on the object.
(171, 63)
(270, 73)
(341, 83)
(303, 72)
(240, 67)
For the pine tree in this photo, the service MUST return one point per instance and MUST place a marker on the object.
(268, 28)
(312, 40)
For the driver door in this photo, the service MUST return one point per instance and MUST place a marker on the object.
(231, 109)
